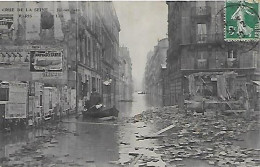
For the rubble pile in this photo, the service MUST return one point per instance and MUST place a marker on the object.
(208, 137)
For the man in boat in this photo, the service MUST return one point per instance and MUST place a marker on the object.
(95, 99)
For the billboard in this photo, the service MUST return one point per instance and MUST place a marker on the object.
(46, 60)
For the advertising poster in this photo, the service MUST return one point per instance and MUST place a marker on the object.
(17, 104)
(45, 60)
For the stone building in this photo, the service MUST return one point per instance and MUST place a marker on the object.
(125, 71)
(98, 50)
(154, 71)
(41, 41)
(197, 49)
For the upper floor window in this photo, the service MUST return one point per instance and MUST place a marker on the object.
(202, 60)
(202, 33)
(232, 54)
(200, 7)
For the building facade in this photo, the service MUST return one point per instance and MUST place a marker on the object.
(154, 72)
(197, 49)
(125, 71)
(98, 51)
(61, 50)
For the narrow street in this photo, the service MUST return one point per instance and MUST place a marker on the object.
(78, 142)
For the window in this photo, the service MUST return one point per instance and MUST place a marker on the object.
(200, 7)
(89, 52)
(94, 54)
(232, 54)
(86, 50)
(255, 58)
(202, 33)
(4, 94)
(202, 60)
(81, 49)
(40, 100)
(50, 100)
(94, 82)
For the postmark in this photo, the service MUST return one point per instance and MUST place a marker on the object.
(242, 20)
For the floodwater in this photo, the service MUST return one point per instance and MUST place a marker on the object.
(100, 144)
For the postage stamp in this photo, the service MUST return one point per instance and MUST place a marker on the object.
(242, 20)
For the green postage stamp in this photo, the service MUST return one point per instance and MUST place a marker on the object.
(242, 20)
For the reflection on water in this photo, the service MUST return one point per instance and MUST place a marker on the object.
(129, 109)
(88, 142)
(10, 142)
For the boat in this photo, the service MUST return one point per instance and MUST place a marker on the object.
(140, 92)
(98, 111)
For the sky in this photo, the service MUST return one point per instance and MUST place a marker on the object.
(142, 25)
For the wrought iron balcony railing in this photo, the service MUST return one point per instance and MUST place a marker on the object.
(209, 38)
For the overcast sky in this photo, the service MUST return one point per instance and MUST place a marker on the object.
(142, 24)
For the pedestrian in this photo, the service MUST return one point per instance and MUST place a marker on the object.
(95, 98)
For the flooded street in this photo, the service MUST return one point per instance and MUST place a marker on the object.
(102, 143)
(91, 142)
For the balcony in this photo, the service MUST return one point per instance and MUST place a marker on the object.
(210, 64)
(209, 38)
(201, 14)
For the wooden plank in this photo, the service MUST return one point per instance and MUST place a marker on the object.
(164, 130)
(135, 160)
(108, 118)
(157, 134)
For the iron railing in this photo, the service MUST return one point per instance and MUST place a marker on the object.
(210, 38)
